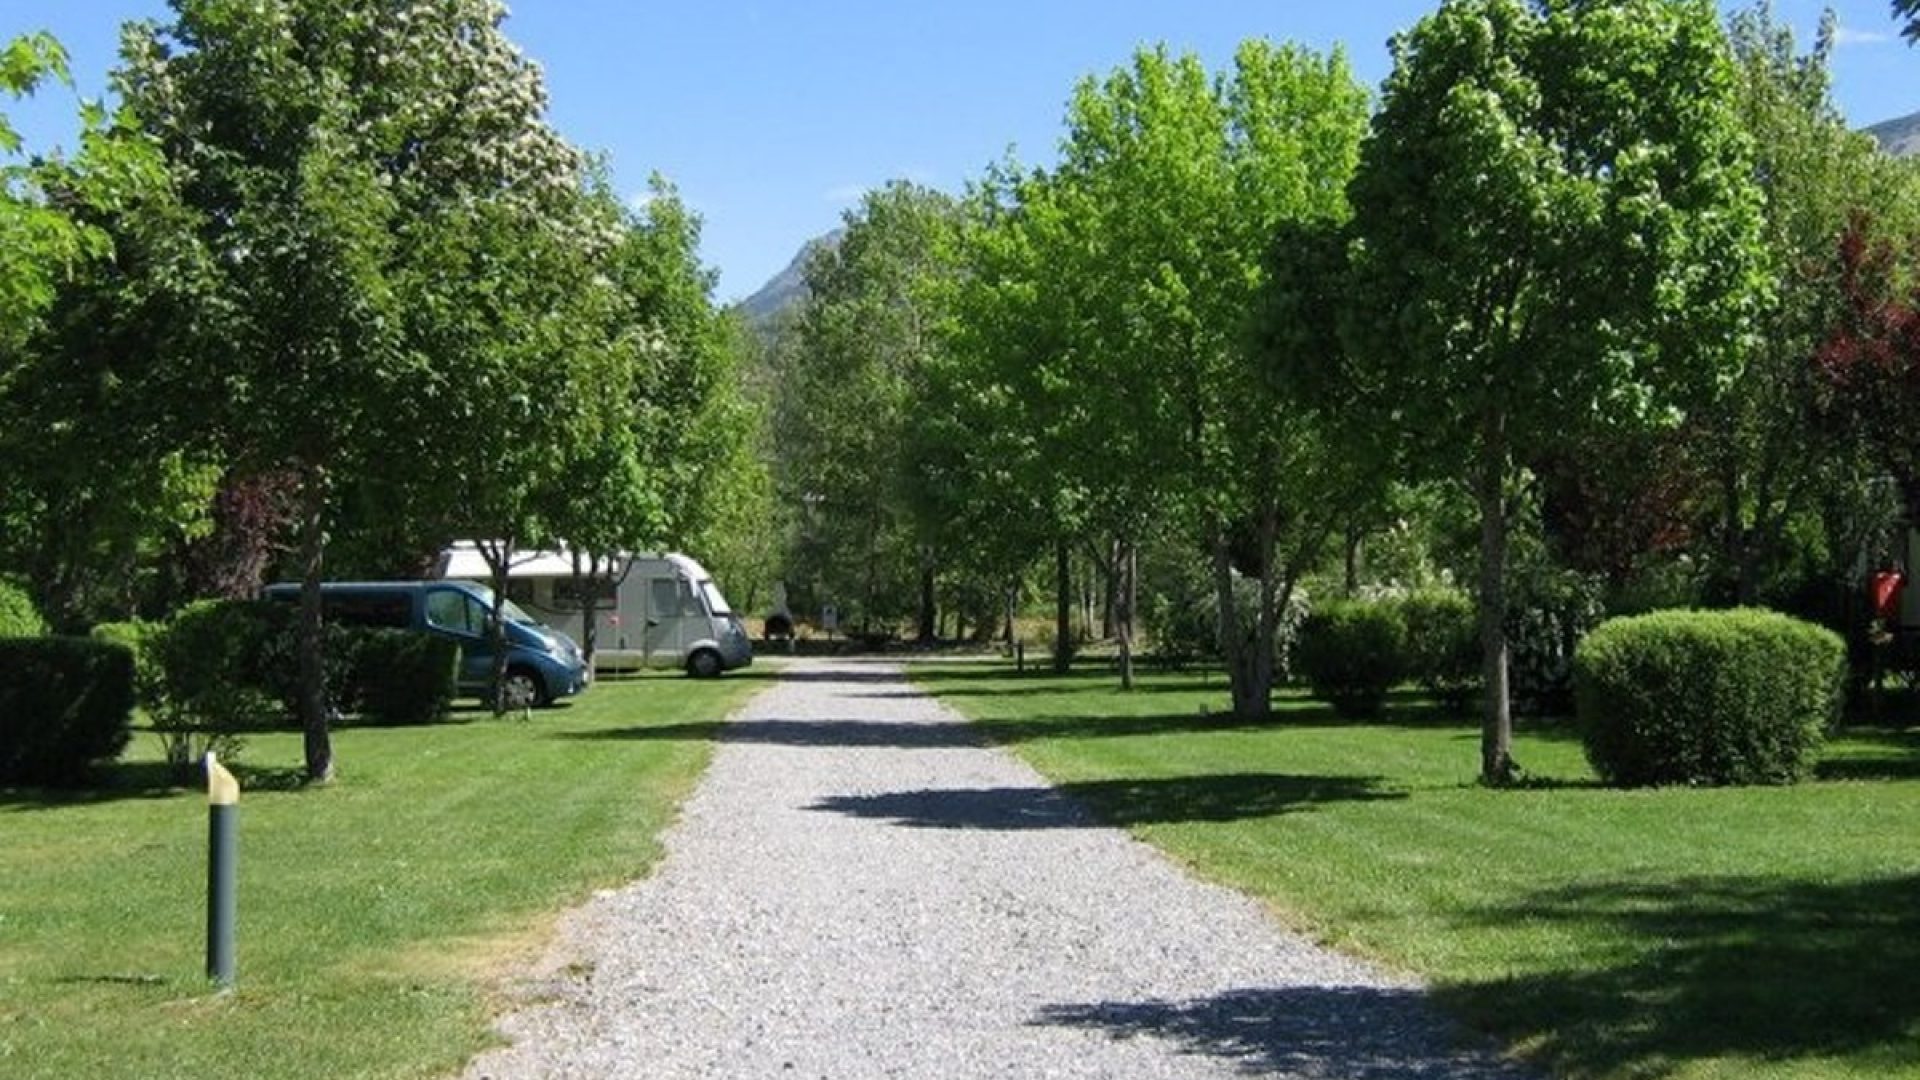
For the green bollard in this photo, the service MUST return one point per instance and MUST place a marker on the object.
(223, 806)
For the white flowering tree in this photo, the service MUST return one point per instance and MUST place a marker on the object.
(374, 181)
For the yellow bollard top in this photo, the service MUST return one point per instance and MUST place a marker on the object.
(222, 788)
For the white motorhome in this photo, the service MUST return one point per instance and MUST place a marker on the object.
(656, 611)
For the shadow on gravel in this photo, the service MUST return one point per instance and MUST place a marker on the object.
(804, 733)
(1097, 803)
(923, 736)
(1356, 1032)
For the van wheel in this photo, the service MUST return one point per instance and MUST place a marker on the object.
(704, 664)
(525, 690)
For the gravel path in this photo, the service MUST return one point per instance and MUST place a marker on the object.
(860, 888)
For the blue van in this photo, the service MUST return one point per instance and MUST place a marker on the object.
(543, 664)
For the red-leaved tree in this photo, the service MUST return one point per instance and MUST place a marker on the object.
(1869, 366)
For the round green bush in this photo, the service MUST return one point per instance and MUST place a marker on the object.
(1707, 697)
(1443, 645)
(18, 617)
(1352, 653)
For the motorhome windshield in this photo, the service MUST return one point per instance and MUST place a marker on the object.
(716, 603)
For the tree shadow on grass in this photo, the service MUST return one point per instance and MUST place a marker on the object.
(1354, 1032)
(1715, 968)
(1097, 803)
(124, 781)
(1873, 755)
(115, 781)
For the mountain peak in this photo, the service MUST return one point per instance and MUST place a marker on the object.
(787, 288)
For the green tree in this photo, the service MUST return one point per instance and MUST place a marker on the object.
(1008, 429)
(96, 487)
(1557, 228)
(851, 378)
(1762, 445)
(346, 165)
(1908, 13)
(1178, 184)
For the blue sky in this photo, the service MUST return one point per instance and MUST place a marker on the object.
(772, 117)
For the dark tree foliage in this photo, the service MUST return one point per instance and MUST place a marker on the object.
(1869, 367)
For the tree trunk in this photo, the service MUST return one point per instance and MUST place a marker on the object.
(1233, 644)
(1012, 595)
(499, 558)
(1739, 542)
(1250, 669)
(1497, 767)
(1352, 561)
(1120, 595)
(585, 584)
(929, 621)
(311, 693)
(1259, 691)
(1116, 567)
(1063, 610)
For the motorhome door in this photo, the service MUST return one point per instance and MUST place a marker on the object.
(670, 601)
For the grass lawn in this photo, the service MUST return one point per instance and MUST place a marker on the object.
(1670, 933)
(375, 915)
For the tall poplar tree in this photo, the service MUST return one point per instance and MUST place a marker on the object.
(1174, 185)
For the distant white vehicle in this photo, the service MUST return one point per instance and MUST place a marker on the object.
(656, 611)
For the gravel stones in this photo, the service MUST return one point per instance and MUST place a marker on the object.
(861, 888)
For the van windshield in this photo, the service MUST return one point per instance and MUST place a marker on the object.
(716, 603)
(510, 610)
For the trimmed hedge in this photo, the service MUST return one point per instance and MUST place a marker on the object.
(401, 677)
(216, 660)
(1707, 697)
(18, 617)
(65, 703)
(1443, 645)
(1352, 653)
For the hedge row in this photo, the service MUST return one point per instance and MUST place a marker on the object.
(1698, 697)
(1351, 652)
(218, 669)
(65, 703)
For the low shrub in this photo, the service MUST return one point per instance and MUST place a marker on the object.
(401, 677)
(18, 617)
(185, 738)
(1352, 652)
(217, 662)
(1443, 645)
(1180, 608)
(65, 703)
(1692, 697)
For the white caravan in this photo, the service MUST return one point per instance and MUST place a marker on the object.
(657, 611)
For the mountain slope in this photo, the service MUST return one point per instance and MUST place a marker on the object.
(1900, 137)
(788, 287)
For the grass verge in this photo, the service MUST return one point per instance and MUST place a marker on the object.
(375, 915)
(1689, 933)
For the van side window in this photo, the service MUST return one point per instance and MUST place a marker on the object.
(450, 609)
(388, 609)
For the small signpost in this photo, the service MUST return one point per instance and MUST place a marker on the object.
(223, 812)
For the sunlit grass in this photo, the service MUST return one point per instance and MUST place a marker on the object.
(1689, 933)
(375, 914)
